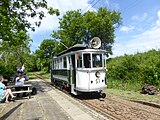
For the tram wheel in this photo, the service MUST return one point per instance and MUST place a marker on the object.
(103, 95)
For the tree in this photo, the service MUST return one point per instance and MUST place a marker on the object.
(32, 63)
(14, 14)
(46, 52)
(81, 28)
(19, 49)
(70, 29)
(14, 23)
(13, 55)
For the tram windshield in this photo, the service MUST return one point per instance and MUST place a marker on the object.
(97, 60)
(87, 60)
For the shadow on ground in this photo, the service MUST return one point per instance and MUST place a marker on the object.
(5, 116)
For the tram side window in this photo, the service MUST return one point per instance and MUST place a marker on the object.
(87, 60)
(97, 60)
(104, 60)
(53, 65)
(64, 62)
(79, 60)
(57, 62)
(56, 66)
(69, 60)
(60, 63)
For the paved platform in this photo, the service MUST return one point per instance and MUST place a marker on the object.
(48, 104)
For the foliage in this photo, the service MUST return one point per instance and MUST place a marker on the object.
(13, 55)
(135, 70)
(15, 13)
(15, 17)
(45, 52)
(6, 70)
(17, 51)
(81, 28)
(31, 63)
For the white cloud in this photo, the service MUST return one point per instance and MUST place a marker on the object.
(150, 39)
(126, 29)
(50, 23)
(140, 18)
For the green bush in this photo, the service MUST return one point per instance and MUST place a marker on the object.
(7, 70)
(134, 70)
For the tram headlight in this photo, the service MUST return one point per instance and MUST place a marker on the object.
(91, 81)
(97, 74)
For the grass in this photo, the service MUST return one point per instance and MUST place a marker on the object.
(43, 73)
(132, 95)
(129, 91)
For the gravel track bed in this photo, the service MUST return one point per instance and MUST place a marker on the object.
(123, 109)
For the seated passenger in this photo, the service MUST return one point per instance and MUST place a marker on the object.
(4, 92)
(20, 82)
(20, 79)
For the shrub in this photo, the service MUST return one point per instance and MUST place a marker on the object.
(134, 70)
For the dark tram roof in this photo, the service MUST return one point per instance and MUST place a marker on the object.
(73, 48)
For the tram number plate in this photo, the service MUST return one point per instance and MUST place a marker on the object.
(97, 81)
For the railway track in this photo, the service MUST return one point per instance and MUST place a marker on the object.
(124, 111)
(118, 109)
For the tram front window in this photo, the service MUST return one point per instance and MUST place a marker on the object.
(87, 60)
(97, 60)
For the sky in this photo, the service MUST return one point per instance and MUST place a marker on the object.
(139, 32)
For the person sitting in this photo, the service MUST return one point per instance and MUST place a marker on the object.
(20, 79)
(5, 93)
(20, 82)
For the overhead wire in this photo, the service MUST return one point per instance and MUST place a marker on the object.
(133, 4)
(90, 6)
(87, 6)
(94, 4)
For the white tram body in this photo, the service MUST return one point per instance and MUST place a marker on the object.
(91, 78)
(80, 70)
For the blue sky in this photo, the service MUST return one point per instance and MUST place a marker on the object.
(139, 32)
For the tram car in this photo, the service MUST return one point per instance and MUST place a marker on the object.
(80, 69)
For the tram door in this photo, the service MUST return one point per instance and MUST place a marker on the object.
(83, 71)
(73, 69)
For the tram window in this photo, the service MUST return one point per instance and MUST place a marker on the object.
(97, 60)
(104, 60)
(69, 59)
(64, 62)
(53, 65)
(79, 60)
(60, 63)
(56, 64)
(87, 60)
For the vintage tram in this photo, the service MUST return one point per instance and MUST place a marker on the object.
(81, 69)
